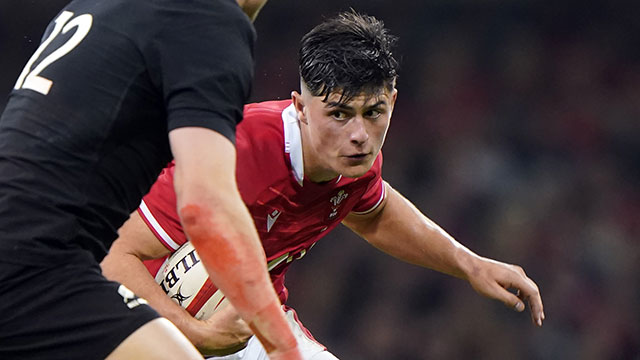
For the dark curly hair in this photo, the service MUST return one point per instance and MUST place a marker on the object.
(350, 54)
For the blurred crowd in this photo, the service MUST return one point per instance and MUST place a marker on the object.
(517, 129)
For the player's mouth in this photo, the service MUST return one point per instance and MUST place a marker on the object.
(356, 159)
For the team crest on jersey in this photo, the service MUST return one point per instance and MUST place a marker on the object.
(335, 202)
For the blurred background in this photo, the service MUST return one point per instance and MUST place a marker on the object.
(517, 129)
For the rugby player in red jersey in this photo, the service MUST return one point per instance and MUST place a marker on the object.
(306, 165)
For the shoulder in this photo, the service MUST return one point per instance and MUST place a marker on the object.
(262, 123)
(266, 109)
(260, 148)
(164, 28)
(223, 12)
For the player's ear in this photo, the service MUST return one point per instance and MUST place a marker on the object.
(394, 96)
(298, 104)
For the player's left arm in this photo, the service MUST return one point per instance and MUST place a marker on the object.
(399, 229)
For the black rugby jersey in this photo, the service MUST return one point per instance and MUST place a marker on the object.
(84, 133)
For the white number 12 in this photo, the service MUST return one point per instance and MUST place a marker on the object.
(31, 79)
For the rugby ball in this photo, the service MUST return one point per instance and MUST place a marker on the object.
(184, 279)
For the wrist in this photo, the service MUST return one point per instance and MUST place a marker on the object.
(272, 329)
(194, 331)
(467, 264)
(291, 354)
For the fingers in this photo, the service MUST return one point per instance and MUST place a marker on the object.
(528, 291)
(510, 300)
(517, 303)
(494, 279)
(535, 304)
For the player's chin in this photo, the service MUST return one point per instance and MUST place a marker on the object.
(355, 171)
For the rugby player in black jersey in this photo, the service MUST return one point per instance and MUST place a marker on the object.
(115, 90)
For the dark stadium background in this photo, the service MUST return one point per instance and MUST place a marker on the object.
(517, 129)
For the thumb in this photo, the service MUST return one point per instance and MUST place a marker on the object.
(514, 302)
(510, 300)
(519, 306)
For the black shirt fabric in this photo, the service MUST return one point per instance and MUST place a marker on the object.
(77, 155)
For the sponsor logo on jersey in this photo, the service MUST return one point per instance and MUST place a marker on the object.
(271, 219)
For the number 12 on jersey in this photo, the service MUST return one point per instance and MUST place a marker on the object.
(31, 79)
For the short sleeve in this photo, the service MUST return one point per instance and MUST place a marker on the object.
(375, 192)
(158, 211)
(202, 60)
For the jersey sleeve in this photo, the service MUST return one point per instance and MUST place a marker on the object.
(158, 210)
(202, 59)
(375, 192)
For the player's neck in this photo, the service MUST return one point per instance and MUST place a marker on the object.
(314, 170)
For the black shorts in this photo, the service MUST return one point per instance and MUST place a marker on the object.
(69, 311)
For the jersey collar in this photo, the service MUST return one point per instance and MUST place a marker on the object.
(293, 142)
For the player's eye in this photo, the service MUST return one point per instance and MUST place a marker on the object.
(373, 114)
(339, 115)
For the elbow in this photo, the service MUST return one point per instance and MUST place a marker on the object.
(111, 265)
(197, 222)
(203, 229)
(192, 215)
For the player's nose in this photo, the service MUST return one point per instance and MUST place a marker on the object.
(358, 133)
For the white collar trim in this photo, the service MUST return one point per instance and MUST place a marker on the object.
(293, 141)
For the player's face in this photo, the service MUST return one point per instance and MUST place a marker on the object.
(342, 138)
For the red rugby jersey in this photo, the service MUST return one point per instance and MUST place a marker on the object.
(290, 212)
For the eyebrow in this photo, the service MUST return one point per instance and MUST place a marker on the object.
(336, 104)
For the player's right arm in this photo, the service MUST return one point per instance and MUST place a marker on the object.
(217, 222)
(222, 334)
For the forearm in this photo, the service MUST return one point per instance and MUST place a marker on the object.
(401, 230)
(218, 224)
(129, 270)
(223, 234)
(221, 334)
(221, 229)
